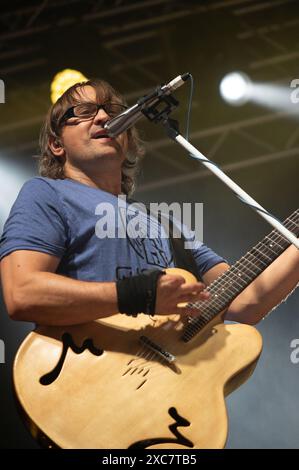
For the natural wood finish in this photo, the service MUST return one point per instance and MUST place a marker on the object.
(92, 404)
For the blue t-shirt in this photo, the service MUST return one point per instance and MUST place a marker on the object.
(69, 219)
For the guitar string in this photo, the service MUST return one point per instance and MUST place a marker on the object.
(215, 301)
(206, 309)
(213, 304)
(153, 356)
(236, 279)
(230, 273)
(252, 260)
(143, 352)
(273, 238)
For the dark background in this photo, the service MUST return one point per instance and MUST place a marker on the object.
(136, 45)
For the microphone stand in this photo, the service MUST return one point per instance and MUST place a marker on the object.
(156, 115)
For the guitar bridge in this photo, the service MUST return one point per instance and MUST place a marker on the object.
(149, 344)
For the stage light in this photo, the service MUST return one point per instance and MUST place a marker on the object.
(64, 80)
(235, 88)
(276, 97)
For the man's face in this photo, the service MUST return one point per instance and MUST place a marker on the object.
(82, 141)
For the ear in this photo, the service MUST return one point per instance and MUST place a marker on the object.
(56, 147)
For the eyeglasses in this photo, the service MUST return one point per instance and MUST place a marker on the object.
(89, 110)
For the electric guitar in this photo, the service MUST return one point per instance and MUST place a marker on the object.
(144, 382)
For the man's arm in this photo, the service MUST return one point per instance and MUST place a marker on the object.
(34, 292)
(266, 291)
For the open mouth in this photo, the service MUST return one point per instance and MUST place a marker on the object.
(101, 136)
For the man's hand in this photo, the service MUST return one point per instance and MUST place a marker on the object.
(172, 290)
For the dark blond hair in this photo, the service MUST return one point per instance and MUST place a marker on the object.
(52, 166)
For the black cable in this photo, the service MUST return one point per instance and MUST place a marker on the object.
(189, 106)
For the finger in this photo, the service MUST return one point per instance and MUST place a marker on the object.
(189, 288)
(175, 280)
(187, 319)
(180, 280)
(194, 293)
(194, 296)
(185, 311)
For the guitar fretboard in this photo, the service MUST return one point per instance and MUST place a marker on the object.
(231, 283)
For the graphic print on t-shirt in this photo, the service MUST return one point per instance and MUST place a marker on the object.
(148, 244)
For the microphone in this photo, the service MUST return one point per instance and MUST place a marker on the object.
(127, 118)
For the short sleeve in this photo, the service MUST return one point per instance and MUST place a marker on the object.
(36, 221)
(204, 256)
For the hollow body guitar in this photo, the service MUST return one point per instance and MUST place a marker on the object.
(143, 382)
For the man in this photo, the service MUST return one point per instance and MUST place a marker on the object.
(54, 269)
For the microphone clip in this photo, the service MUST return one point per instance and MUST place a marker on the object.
(160, 110)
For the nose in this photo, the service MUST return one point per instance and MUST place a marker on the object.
(101, 117)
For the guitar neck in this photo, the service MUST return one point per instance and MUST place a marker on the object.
(231, 283)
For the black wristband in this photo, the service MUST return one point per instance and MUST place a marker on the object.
(137, 294)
